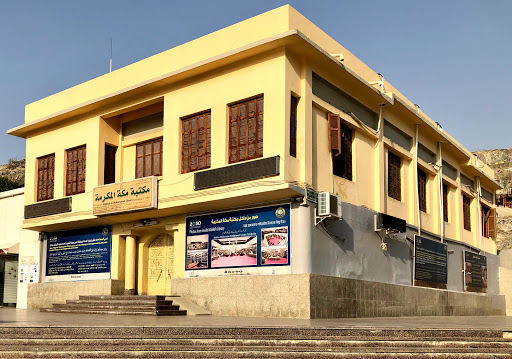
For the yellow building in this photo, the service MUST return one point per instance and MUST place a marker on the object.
(196, 172)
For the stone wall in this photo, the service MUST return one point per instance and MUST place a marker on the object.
(283, 296)
(506, 277)
(317, 296)
(333, 297)
(43, 295)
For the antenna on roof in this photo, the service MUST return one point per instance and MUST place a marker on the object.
(110, 55)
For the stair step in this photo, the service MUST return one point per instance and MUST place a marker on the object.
(122, 302)
(122, 297)
(114, 312)
(183, 353)
(192, 332)
(132, 307)
(293, 343)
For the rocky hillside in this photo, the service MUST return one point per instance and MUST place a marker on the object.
(501, 162)
(12, 174)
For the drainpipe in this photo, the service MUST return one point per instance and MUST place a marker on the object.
(479, 206)
(441, 197)
(418, 211)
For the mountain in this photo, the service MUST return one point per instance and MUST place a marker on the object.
(501, 162)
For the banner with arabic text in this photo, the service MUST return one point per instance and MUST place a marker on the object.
(256, 237)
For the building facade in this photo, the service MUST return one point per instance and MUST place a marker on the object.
(200, 171)
(20, 251)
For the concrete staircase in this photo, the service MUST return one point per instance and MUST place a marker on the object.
(218, 342)
(118, 304)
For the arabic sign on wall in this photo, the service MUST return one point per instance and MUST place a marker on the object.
(258, 237)
(430, 262)
(78, 254)
(475, 272)
(125, 196)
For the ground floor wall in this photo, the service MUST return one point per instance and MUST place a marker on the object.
(300, 266)
(310, 296)
(350, 248)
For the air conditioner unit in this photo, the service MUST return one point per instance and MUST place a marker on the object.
(329, 204)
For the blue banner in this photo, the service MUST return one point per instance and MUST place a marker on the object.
(245, 238)
(79, 251)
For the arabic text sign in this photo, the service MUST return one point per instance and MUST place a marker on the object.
(430, 261)
(247, 238)
(77, 252)
(475, 272)
(125, 196)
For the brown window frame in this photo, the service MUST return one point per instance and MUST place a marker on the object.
(294, 101)
(151, 155)
(196, 142)
(45, 177)
(238, 143)
(446, 191)
(422, 190)
(342, 160)
(488, 221)
(109, 164)
(466, 212)
(75, 175)
(394, 176)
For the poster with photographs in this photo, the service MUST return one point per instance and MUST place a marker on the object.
(235, 252)
(197, 252)
(247, 238)
(475, 272)
(274, 246)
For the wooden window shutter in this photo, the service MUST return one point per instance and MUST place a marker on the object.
(422, 189)
(491, 222)
(342, 161)
(246, 130)
(45, 177)
(445, 202)
(196, 142)
(466, 211)
(293, 126)
(394, 180)
(75, 170)
(334, 133)
(148, 161)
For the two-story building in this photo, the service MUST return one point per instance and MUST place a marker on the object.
(204, 171)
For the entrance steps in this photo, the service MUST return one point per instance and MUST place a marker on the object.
(255, 342)
(118, 304)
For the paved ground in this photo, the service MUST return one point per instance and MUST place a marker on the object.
(21, 317)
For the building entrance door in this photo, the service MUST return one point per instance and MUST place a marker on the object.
(161, 265)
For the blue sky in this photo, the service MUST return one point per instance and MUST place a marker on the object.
(453, 58)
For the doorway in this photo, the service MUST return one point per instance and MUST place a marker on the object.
(160, 265)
